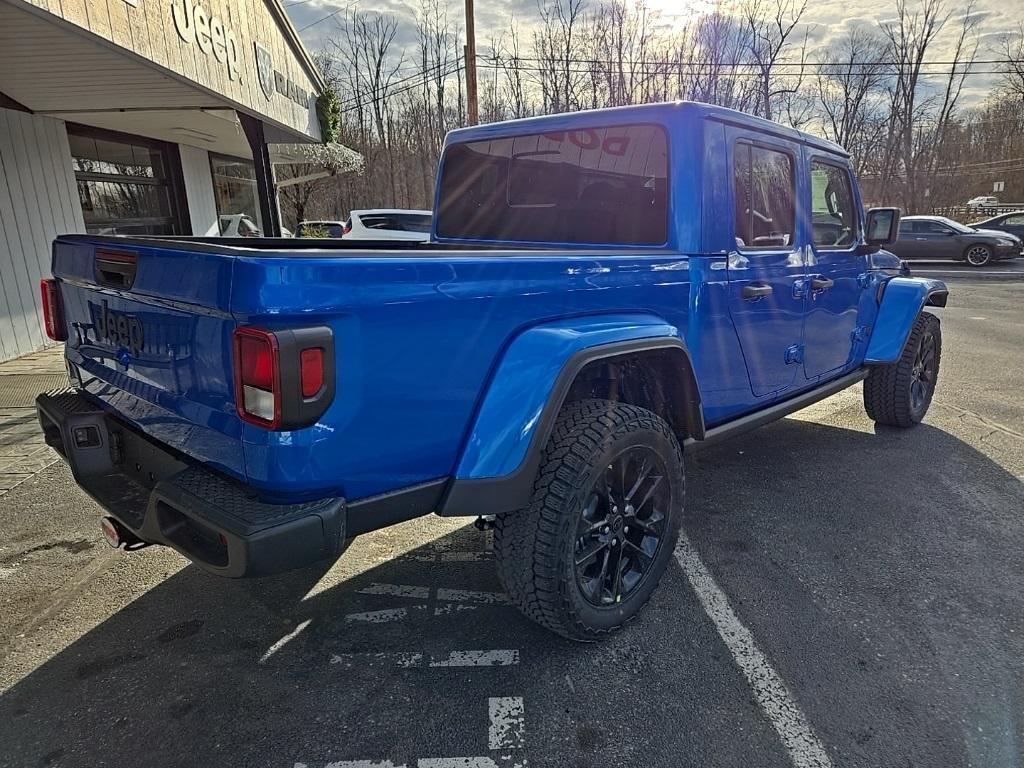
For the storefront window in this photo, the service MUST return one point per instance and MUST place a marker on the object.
(123, 184)
(234, 187)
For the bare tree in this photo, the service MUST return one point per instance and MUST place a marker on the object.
(910, 35)
(849, 88)
(557, 46)
(770, 26)
(1011, 49)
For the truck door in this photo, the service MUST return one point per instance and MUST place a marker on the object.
(835, 270)
(766, 268)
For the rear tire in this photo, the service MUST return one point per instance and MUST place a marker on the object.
(899, 394)
(585, 556)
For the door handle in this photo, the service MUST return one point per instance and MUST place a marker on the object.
(821, 283)
(756, 291)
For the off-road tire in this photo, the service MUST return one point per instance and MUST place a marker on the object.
(888, 390)
(535, 547)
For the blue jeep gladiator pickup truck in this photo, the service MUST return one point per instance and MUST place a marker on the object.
(602, 293)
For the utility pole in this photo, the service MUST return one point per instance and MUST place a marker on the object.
(472, 108)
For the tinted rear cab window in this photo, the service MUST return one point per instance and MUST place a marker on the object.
(594, 185)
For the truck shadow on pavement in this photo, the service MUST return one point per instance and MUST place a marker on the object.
(879, 573)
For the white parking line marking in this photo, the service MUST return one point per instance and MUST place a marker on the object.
(468, 762)
(507, 728)
(283, 641)
(416, 660)
(504, 761)
(407, 660)
(356, 764)
(805, 750)
(396, 590)
(470, 596)
(450, 557)
(503, 658)
(448, 608)
(383, 616)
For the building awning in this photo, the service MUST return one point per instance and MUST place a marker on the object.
(176, 70)
(316, 161)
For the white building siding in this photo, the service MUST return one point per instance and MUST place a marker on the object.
(202, 207)
(38, 201)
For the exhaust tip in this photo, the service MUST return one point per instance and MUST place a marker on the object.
(111, 534)
(117, 536)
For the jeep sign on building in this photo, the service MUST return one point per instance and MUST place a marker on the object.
(139, 117)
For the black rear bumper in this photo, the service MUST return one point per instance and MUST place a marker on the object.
(163, 499)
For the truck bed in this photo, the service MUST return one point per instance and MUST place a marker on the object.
(417, 329)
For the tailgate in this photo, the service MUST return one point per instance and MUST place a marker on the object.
(149, 334)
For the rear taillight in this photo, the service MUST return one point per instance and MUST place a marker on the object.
(258, 377)
(53, 310)
(346, 228)
(284, 379)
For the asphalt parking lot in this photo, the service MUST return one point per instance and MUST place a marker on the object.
(844, 596)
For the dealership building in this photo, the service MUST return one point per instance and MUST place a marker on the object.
(139, 117)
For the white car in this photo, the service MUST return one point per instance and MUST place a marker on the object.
(984, 201)
(238, 225)
(388, 224)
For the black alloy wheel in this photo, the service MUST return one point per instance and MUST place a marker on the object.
(621, 527)
(924, 372)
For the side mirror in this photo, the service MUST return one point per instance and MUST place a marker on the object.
(883, 226)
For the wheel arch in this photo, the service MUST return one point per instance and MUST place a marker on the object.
(900, 302)
(502, 452)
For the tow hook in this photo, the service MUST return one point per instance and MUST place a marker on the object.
(117, 536)
(484, 523)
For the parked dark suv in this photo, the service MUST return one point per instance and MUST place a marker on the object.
(936, 237)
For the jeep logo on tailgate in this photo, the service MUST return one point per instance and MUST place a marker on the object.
(117, 328)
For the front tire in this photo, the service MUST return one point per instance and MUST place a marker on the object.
(585, 556)
(899, 394)
(978, 255)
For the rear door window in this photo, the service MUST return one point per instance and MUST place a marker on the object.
(765, 197)
(593, 185)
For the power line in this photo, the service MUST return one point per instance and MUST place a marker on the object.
(706, 67)
(328, 16)
(429, 71)
(458, 67)
(743, 64)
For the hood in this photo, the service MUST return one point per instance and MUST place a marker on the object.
(998, 233)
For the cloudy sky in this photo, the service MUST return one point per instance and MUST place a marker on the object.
(825, 19)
